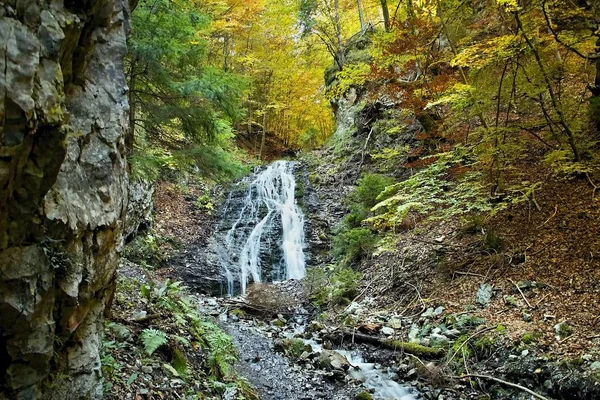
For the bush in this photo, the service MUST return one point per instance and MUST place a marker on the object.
(353, 244)
(339, 287)
(369, 188)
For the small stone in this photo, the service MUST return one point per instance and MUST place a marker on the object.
(527, 317)
(438, 340)
(147, 369)
(524, 353)
(453, 333)
(587, 357)
(411, 373)
(438, 311)
(484, 294)
(595, 366)
(395, 323)
(387, 331)
(143, 391)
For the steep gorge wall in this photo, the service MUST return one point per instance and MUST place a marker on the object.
(63, 189)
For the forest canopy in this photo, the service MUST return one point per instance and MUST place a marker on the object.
(498, 77)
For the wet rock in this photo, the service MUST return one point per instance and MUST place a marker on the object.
(332, 361)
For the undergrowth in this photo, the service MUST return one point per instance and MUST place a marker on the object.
(191, 349)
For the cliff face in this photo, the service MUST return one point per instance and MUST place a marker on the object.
(63, 189)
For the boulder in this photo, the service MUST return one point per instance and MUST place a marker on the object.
(63, 175)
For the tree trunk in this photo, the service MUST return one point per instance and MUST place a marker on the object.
(360, 15)
(264, 134)
(386, 14)
(338, 34)
(130, 134)
(594, 102)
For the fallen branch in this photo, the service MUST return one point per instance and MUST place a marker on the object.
(469, 273)
(522, 295)
(407, 347)
(516, 386)
(258, 309)
(593, 185)
(552, 216)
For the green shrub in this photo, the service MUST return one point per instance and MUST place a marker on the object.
(369, 188)
(353, 244)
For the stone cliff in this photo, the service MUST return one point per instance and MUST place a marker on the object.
(63, 190)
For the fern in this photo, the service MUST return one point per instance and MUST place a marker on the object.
(153, 339)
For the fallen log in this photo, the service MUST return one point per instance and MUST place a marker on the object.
(406, 347)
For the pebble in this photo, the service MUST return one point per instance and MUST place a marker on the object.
(386, 330)
(595, 366)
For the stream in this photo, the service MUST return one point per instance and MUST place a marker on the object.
(260, 239)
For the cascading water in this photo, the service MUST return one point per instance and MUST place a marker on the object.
(266, 240)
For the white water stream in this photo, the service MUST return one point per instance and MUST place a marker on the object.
(378, 381)
(269, 206)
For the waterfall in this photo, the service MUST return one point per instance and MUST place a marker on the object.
(266, 240)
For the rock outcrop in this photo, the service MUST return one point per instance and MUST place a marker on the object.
(63, 190)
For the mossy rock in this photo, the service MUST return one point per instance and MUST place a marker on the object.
(364, 396)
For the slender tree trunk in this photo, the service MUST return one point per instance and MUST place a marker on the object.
(226, 53)
(594, 102)
(553, 99)
(130, 136)
(338, 34)
(264, 134)
(386, 14)
(360, 15)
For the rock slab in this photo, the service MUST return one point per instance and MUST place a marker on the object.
(63, 190)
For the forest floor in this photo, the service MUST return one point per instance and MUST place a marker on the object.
(511, 297)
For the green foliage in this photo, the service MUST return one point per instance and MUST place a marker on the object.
(351, 241)
(204, 202)
(294, 347)
(183, 108)
(335, 285)
(531, 337)
(353, 244)
(353, 75)
(144, 249)
(222, 353)
(152, 339)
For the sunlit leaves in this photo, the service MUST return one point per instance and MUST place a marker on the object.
(491, 51)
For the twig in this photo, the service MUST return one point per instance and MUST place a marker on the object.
(593, 185)
(522, 295)
(523, 388)
(542, 299)
(469, 273)
(552, 216)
